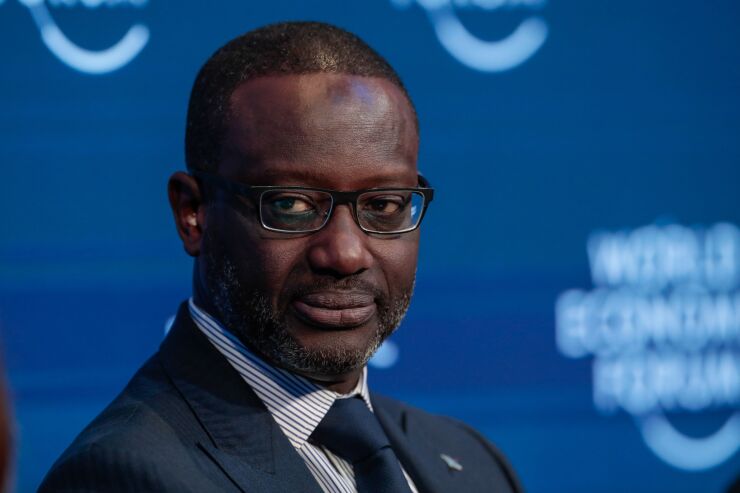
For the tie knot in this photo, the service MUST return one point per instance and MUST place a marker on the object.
(350, 430)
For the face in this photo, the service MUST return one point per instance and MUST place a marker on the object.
(319, 303)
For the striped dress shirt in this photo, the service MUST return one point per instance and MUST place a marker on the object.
(297, 404)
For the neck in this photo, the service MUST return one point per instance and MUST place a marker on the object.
(200, 297)
(342, 384)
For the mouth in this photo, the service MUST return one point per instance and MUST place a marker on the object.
(335, 310)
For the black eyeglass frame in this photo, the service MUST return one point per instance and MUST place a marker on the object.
(255, 193)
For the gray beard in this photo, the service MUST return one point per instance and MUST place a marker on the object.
(250, 316)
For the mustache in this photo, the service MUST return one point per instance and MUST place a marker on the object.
(352, 284)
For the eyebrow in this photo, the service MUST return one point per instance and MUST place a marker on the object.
(293, 176)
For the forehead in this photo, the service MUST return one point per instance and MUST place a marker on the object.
(332, 130)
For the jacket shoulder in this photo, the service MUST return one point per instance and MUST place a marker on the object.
(132, 444)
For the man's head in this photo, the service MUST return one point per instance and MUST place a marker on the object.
(309, 105)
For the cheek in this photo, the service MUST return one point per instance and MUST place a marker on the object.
(273, 261)
(397, 258)
(264, 263)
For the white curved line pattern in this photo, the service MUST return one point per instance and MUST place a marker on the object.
(91, 62)
(691, 454)
(488, 56)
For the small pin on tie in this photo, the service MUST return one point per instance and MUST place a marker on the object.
(451, 463)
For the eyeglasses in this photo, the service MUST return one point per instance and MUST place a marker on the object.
(383, 211)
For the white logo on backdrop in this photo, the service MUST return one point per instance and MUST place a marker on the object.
(485, 56)
(663, 327)
(88, 61)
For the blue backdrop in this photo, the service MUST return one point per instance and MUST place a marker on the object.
(577, 296)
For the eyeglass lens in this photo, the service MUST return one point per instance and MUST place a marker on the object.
(381, 211)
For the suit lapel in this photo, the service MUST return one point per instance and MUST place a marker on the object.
(244, 441)
(419, 457)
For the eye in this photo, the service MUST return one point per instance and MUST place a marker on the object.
(385, 204)
(292, 204)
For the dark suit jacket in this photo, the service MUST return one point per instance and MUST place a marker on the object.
(187, 422)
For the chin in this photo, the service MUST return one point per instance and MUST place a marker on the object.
(322, 352)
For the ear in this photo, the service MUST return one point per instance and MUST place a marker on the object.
(186, 200)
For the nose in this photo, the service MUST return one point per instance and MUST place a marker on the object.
(340, 247)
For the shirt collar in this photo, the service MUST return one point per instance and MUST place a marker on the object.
(297, 404)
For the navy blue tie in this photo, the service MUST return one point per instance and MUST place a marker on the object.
(353, 433)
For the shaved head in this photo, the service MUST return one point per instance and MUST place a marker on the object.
(288, 48)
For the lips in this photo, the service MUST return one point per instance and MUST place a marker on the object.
(335, 310)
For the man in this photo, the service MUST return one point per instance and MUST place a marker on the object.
(301, 208)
